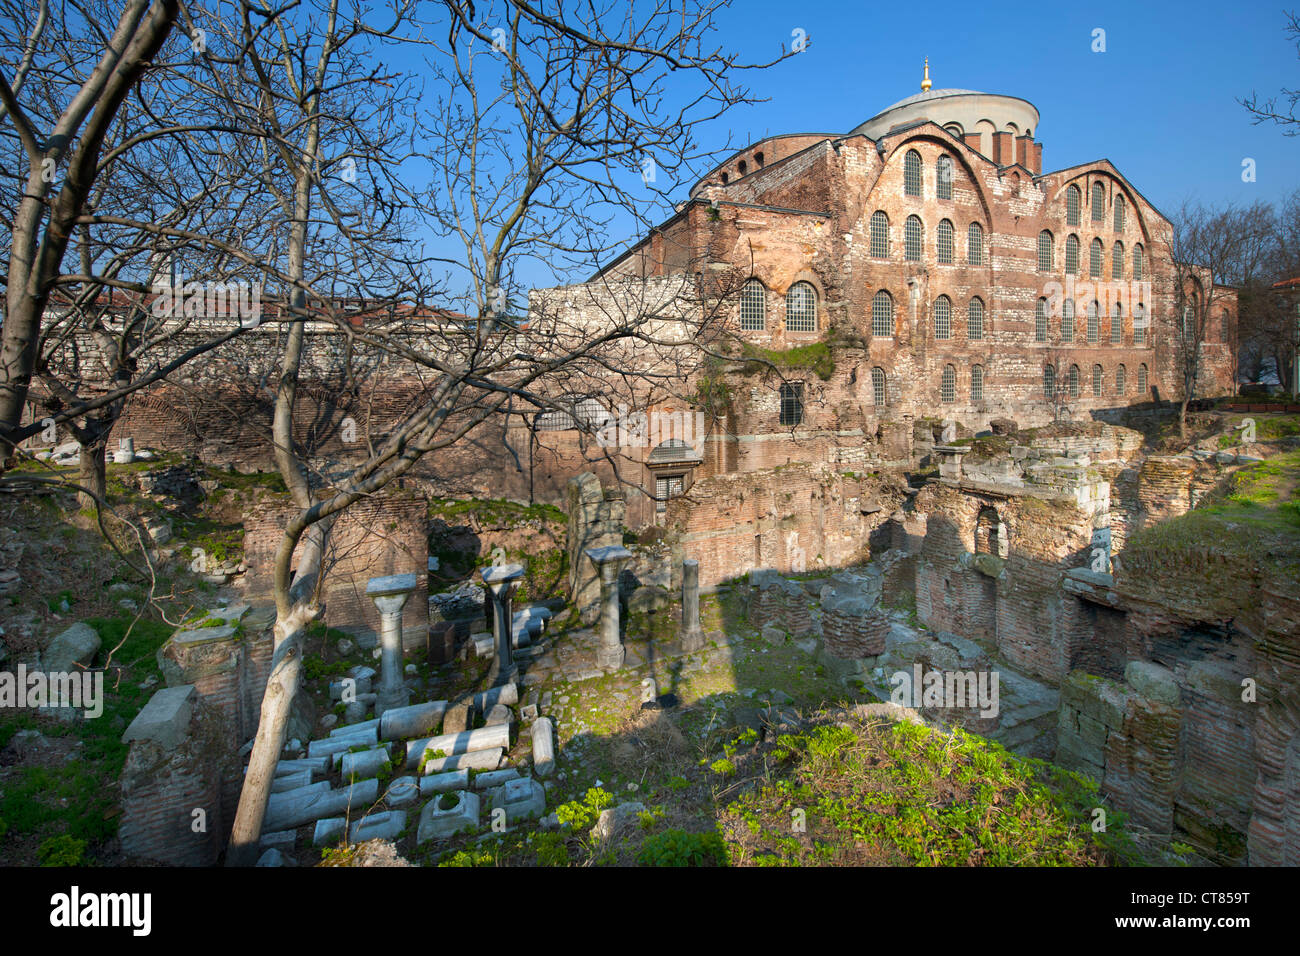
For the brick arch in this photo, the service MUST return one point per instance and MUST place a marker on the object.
(1082, 179)
(957, 151)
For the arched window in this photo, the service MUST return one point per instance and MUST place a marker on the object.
(1044, 251)
(1094, 323)
(1116, 324)
(1072, 255)
(882, 315)
(1117, 261)
(912, 173)
(943, 177)
(1049, 382)
(977, 383)
(1094, 259)
(1142, 381)
(942, 318)
(1040, 321)
(948, 386)
(1121, 380)
(1072, 200)
(1138, 264)
(1067, 321)
(913, 239)
(944, 242)
(1119, 213)
(880, 234)
(975, 319)
(1098, 203)
(1074, 381)
(1096, 381)
(743, 168)
(1139, 324)
(878, 394)
(753, 306)
(975, 244)
(801, 308)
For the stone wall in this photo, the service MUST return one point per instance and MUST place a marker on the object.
(377, 536)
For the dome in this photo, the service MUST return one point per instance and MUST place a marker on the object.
(961, 112)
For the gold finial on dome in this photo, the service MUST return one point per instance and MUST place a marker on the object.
(925, 82)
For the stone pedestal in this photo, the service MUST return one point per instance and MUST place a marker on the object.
(390, 594)
(610, 561)
(692, 633)
(502, 580)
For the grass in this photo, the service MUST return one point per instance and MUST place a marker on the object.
(869, 792)
(817, 357)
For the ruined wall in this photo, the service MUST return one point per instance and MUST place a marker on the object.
(378, 536)
(797, 518)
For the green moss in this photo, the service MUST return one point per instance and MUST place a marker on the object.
(816, 356)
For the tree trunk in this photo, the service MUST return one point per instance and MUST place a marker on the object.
(295, 609)
(93, 476)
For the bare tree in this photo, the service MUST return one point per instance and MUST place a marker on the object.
(1205, 247)
(61, 141)
(1279, 110)
(541, 126)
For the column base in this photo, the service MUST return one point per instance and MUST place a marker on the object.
(504, 675)
(692, 639)
(391, 700)
(610, 658)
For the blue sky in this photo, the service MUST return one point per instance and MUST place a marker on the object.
(1159, 102)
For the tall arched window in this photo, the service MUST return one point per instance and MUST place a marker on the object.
(1098, 203)
(1142, 381)
(1049, 382)
(975, 319)
(913, 239)
(942, 318)
(948, 386)
(1067, 321)
(1094, 323)
(801, 308)
(943, 177)
(1094, 259)
(753, 306)
(975, 244)
(1044, 251)
(1072, 255)
(1138, 263)
(1074, 381)
(912, 173)
(944, 242)
(1119, 213)
(1117, 261)
(880, 234)
(1072, 201)
(1116, 324)
(878, 394)
(882, 315)
(1121, 380)
(1096, 381)
(977, 383)
(1139, 324)
(1040, 321)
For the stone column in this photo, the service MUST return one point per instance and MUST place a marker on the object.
(610, 561)
(692, 634)
(390, 594)
(125, 451)
(502, 579)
